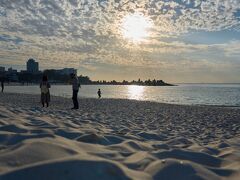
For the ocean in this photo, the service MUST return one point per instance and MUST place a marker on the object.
(197, 94)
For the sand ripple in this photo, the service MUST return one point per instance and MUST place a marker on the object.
(116, 139)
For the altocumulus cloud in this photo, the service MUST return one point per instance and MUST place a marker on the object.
(75, 33)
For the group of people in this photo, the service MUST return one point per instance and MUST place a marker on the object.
(45, 93)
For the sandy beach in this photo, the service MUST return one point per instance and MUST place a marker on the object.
(116, 139)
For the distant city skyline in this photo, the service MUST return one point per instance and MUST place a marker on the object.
(32, 66)
(179, 41)
(31, 72)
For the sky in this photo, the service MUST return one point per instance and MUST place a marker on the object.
(179, 41)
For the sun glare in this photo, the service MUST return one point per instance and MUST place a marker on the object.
(135, 92)
(135, 27)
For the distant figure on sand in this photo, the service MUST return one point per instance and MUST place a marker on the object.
(75, 89)
(45, 93)
(2, 84)
(99, 93)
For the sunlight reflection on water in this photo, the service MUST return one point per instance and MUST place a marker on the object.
(136, 92)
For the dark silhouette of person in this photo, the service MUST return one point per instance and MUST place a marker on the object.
(2, 84)
(99, 93)
(45, 93)
(75, 89)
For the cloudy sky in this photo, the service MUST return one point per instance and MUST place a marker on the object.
(173, 40)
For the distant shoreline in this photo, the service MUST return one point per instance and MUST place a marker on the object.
(36, 84)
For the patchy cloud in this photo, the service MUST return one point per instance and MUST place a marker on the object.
(87, 33)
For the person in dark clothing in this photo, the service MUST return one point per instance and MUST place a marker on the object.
(75, 89)
(2, 84)
(75, 99)
(99, 93)
(45, 93)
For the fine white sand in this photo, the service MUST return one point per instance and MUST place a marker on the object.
(116, 139)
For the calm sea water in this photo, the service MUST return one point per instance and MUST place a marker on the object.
(204, 94)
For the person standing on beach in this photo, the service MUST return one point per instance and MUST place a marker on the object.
(75, 89)
(99, 93)
(45, 93)
(2, 84)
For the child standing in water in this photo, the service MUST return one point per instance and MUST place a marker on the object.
(45, 94)
(99, 93)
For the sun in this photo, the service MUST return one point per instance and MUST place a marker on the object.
(135, 27)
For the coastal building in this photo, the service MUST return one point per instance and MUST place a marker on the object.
(2, 69)
(32, 66)
(67, 71)
(23, 71)
(12, 75)
(11, 70)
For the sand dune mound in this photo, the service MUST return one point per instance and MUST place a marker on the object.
(172, 169)
(197, 157)
(72, 169)
(93, 138)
